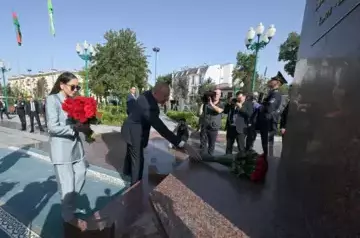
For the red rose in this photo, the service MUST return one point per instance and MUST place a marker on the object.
(260, 170)
(90, 108)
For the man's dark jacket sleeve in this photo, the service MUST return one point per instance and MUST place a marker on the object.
(152, 116)
(247, 110)
(284, 116)
(130, 101)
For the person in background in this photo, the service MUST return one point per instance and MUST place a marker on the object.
(33, 110)
(66, 148)
(230, 126)
(43, 110)
(252, 127)
(20, 109)
(131, 98)
(3, 110)
(270, 112)
(238, 121)
(284, 116)
(212, 112)
(182, 130)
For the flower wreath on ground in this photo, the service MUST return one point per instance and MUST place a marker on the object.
(248, 165)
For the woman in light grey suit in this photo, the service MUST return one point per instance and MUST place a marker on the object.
(66, 148)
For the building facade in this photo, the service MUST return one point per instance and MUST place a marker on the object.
(219, 74)
(29, 85)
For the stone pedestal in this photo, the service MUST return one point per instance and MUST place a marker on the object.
(313, 190)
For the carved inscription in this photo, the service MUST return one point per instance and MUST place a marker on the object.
(329, 11)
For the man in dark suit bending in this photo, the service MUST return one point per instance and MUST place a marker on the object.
(136, 130)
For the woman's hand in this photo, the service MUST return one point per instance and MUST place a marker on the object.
(84, 128)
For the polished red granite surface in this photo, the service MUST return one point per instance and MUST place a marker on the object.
(184, 214)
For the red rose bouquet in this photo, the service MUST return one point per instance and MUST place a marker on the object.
(82, 111)
(249, 165)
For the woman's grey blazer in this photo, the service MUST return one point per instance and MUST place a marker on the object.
(65, 144)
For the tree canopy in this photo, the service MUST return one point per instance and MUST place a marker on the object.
(119, 64)
(243, 71)
(207, 85)
(41, 89)
(181, 88)
(165, 78)
(288, 52)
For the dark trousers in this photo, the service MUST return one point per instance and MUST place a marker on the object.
(207, 139)
(2, 112)
(36, 116)
(134, 162)
(268, 130)
(231, 136)
(250, 138)
(22, 118)
(45, 119)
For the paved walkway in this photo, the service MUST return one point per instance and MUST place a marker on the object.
(29, 202)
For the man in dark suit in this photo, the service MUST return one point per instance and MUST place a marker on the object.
(136, 130)
(131, 98)
(3, 110)
(43, 110)
(20, 110)
(33, 110)
(237, 124)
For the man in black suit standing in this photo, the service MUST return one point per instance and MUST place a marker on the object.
(33, 110)
(239, 113)
(20, 110)
(43, 110)
(3, 110)
(131, 98)
(136, 130)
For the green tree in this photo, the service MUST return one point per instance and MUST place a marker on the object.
(119, 64)
(165, 78)
(181, 88)
(207, 85)
(41, 89)
(14, 91)
(288, 52)
(243, 71)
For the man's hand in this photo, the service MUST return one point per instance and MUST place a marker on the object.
(191, 151)
(239, 104)
(282, 131)
(211, 102)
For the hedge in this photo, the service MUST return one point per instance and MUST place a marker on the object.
(112, 115)
(191, 119)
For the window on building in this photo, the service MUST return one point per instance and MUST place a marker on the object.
(193, 80)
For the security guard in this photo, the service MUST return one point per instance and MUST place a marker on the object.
(20, 109)
(270, 112)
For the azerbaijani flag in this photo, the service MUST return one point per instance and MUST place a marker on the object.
(17, 28)
(51, 12)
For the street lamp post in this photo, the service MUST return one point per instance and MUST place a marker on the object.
(156, 50)
(86, 52)
(261, 40)
(4, 69)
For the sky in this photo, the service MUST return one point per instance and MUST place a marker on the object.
(188, 32)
